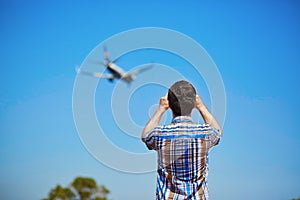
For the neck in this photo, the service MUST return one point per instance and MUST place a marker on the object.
(180, 115)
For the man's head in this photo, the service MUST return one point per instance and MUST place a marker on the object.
(182, 97)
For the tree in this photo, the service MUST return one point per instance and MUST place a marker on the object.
(60, 193)
(81, 188)
(103, 193)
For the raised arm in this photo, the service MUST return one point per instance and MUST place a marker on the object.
(155, 119)
(207, 116)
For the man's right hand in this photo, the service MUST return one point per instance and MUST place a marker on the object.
(199, 103)
(207, 116)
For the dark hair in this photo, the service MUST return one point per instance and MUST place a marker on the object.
(182, 97)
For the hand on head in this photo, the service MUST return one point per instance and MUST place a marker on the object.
(164, 103)
(199, 102)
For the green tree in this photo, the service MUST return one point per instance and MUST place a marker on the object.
(103, 192)
(60, 193)
(86, 187)
(81, 188)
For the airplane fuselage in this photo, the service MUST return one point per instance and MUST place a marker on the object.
(118, 72)
(114, 69)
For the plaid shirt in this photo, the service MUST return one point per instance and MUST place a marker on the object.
(182, 148)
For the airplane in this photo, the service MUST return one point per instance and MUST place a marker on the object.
(116, 72)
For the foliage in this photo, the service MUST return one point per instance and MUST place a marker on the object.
(81, 188)
(85, 187)
(60, 193)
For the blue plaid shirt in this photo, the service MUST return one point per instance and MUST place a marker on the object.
(182, 148)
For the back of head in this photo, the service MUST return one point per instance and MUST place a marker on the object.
(182, 97)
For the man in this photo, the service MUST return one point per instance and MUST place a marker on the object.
(183, 145)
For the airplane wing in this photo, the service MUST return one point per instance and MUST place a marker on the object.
(130, 76)
(140, 70)
(94, 74)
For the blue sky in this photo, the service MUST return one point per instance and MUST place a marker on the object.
(255, 45)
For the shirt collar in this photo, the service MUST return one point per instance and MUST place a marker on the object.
(179, 119)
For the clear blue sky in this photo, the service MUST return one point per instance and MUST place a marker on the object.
(255, 45)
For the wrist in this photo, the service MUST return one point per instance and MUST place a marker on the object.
(161, 109)
(201, 107)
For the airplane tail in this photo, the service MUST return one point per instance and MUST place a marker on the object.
(105, 54)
